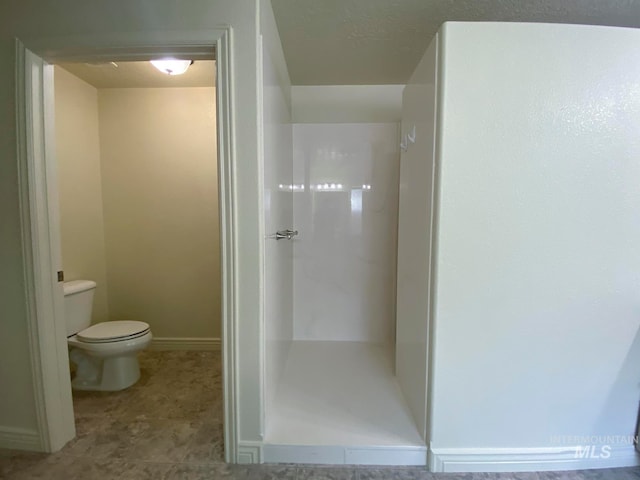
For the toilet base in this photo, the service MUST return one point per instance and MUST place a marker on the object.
(108, 374)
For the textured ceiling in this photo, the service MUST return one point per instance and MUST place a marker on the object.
(142, 75)
(355, 42)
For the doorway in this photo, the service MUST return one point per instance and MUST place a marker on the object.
(136, 164)
(41, 224)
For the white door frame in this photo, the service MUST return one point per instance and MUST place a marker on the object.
(39, 211)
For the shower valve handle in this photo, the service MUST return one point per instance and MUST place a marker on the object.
(288, 234)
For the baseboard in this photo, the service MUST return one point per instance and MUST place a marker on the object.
(250, 452)
(20, 439)
(341, 455)
(185, 343)
(531, 459)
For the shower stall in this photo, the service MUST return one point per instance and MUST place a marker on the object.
(331, 390)
(333, 394)
(510, 184)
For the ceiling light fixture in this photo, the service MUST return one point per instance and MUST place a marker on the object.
(172, 66)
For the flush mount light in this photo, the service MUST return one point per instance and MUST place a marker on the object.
(172, 66)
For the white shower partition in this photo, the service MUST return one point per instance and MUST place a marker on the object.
(415, 234)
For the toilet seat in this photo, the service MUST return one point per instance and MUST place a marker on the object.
(111, 332)
(118, 348)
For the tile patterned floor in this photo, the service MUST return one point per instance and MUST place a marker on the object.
(169, 426)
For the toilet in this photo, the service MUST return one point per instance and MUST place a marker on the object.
(105, 353)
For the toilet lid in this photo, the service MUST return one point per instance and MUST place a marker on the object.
(113, 331)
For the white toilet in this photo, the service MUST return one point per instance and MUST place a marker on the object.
(105, 353)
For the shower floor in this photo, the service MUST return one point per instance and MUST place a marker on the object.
(341, 395)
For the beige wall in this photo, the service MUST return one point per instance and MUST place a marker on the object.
(150, 155)
(159, 181)
(80, 187)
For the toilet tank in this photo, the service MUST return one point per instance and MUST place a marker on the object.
(78, 303)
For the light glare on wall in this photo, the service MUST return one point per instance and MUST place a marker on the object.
(172, 66)
(296, 188)
(328, 187)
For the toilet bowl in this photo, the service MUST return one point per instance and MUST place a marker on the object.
(108, 362)
(105, 354)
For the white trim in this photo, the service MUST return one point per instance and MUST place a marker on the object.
(50, 373)
(40, 244)
(250, 452)
(345, 455)
(261, 227)
(228, 242)
(185, 343)
(20, 439)
(432, 319)
(528, 459)
(130, 46)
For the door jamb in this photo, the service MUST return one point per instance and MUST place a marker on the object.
(45, 323)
